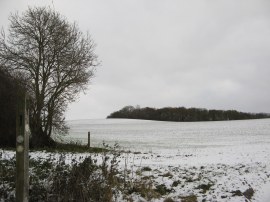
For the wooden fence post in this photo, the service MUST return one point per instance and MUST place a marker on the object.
(22, 149)
(88, 139)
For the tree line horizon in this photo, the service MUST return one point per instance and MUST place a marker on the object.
(182, 114)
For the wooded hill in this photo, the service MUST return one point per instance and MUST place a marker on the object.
(182, 114)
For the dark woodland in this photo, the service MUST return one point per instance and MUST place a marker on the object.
(182, 114)
(9, 86)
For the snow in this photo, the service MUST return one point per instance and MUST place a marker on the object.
(265, 196)
(231, 155)
(226, 156)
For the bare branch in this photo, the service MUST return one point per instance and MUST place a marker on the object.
(58, 59)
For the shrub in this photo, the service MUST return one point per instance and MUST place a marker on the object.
(55, 180)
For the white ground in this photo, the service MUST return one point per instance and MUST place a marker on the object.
(226, 173)
(228, 156)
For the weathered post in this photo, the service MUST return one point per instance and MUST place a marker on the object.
(88, 139)
(22, 149)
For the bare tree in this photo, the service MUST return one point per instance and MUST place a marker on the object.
(57, 59)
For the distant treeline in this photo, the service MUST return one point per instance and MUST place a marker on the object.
(182, 114)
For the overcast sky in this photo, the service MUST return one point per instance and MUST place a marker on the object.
(158, 53)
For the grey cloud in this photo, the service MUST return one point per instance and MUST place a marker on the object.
(212, 54)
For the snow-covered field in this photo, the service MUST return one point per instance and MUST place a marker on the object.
(207, 161)
(154, 136)
(216, 161)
